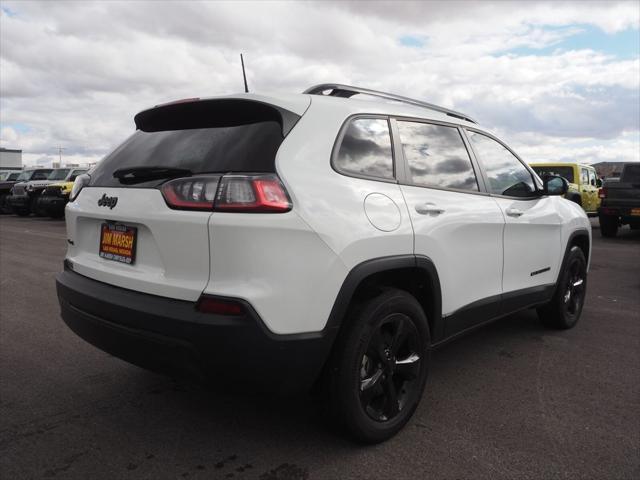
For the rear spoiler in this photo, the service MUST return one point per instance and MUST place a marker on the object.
(213, 113)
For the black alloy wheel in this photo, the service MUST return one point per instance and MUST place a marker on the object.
(378, 367)
(390, 367)
(565, 308)
(573, 297)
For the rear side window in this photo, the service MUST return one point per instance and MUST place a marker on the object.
(631, 174)
(507, 175)
(566, 172)
(217, 137)
(584, 176)
(366, 149)
(436, 156)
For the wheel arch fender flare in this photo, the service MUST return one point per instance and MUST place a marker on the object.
(580, 238)
(425, 271)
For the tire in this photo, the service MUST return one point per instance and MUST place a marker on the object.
(4, 207)
(563, 311)
(608, 226)
(23, 212)
(378, 368)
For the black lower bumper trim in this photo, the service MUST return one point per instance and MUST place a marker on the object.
(170, 336)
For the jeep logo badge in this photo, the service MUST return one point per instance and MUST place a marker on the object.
(105, 201)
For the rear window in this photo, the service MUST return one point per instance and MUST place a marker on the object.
(566, 172)
(203, 140)
(631, 174)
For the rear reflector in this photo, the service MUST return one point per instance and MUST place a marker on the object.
(229, 193)
(218, 306)
(602, 193)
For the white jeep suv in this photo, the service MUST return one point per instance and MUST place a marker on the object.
(281, 242)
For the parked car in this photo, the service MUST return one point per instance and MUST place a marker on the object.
(280, 242)
(25, 195)
(620, 201)
(54, 198)
(7, 179)
(18, 186)
(584, 183)
(9, 175)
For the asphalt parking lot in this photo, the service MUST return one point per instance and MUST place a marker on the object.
(512, 400)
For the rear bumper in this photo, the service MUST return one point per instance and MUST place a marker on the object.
(170, 336)
(623, 213)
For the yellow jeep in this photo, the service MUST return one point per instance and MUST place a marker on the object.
(583, 182)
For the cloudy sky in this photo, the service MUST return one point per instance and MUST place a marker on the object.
(557, 81)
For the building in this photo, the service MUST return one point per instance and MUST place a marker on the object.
(10, 159)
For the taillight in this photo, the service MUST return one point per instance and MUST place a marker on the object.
(219, 306)
(191, 193)
(252, 193)
(602, 193)
(229, 193)
(78, 184)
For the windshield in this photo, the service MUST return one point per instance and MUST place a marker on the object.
(566, 172)
(59, 174)
(24, 176)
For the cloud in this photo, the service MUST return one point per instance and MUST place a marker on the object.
(74, 74)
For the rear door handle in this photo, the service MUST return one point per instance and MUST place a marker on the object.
(514, 212)
(428, 209)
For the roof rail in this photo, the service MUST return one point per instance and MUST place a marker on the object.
(346, 91)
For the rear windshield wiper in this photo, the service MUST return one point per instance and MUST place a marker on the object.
(132, 175)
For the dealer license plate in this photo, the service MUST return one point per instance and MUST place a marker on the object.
(118, 242)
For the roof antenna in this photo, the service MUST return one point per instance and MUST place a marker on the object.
(244, 75)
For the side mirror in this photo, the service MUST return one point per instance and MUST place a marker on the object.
(554, 185)
(598, 182)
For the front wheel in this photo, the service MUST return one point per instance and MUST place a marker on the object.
(379, 367)
(563, 311)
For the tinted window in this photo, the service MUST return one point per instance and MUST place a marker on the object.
(566, 172)
(13, 176)
(631, 173)
(507, 176)
(241, 148)
(366, 148)
(437, 156)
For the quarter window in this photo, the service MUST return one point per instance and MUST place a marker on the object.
(366, 149)
(436, 156)
(507, 175)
